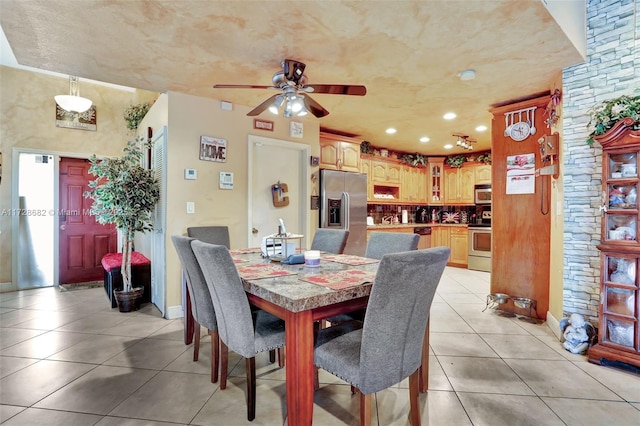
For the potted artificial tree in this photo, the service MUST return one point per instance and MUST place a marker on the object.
(124, 193)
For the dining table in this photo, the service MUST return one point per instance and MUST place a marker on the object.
(302, 296)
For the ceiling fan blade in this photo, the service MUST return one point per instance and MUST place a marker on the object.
(263, 106)
(313, 107)
(338, 89)
(241, 86)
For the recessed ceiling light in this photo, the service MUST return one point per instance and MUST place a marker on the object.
(424, 139)
(391, 130)
(449, 116)
(467, 75)
(448, 146)
(481, 128)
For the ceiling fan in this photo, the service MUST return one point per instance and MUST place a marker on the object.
(292, 82)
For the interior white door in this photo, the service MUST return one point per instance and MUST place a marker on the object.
(274, 161)
(158, 236)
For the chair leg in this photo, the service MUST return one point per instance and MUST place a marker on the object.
(196, 340)
(272, 356)
(224, 364)
(215, 354)
(316, 378)
(365, 409)
(281, 357)
(251, 388)
(414, 391)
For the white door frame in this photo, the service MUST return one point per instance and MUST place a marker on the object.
(305, 153)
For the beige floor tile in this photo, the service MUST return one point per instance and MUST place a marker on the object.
(449, 322)
(460, 344)
(121, 421)
(623, 383)
(149, 353)
(31, 384)
(488, 321)
(560, 379)
(581, 412)
(462, 297)
(520, 346)
(336, 405)
(17, 316)
(13, 336)
(436, 408)
(486, 375)
(9, 365)
(556, 345)
(36, 416)
(95, 349)
(50, 320)
(229, 406)
(507, 410)
(138, 326)
(170, 397)
(174, 330)
(99, 391)
(96, 323)
(8, 411)
(45, 345)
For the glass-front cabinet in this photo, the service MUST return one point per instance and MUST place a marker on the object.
(435, 181)
(618, 322)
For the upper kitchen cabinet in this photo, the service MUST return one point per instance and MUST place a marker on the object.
(414, 183)
(339, 152)
(459, 183)
(435, 185)
(619, 316)
(483, 175)
(386, 172)
(365, 167)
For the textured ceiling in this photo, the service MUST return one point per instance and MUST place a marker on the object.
(407, 53)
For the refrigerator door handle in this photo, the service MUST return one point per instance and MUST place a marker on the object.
(347, 208)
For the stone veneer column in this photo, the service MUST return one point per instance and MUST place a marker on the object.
(612, 69)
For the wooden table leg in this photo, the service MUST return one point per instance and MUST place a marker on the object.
(424, 367)
(188, 316)
(299, 368)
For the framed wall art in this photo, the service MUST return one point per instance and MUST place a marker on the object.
(213, 149)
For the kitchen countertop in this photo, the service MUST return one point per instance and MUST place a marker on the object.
(415, 225)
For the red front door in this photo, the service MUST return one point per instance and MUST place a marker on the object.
(83, 241)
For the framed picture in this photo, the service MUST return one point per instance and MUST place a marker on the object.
(213, 149)
(263, 124)
(296, 130)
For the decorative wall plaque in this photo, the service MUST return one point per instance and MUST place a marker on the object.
(80, 121)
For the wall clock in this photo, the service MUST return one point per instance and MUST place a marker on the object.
(519, 131)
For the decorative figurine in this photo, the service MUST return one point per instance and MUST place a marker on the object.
(577, 333)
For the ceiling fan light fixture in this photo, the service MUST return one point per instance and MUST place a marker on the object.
(274, 108)
(73, 102)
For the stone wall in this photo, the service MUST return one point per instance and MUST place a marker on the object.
(612, 69)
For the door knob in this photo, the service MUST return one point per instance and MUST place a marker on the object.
(63, 227)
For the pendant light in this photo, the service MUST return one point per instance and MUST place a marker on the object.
(73, 102)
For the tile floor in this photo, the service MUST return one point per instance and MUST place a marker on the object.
(66, 358)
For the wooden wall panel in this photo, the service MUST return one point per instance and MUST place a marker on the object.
(521, 231)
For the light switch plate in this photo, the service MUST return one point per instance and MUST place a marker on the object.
(191, 207)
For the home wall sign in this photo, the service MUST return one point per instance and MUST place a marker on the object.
(213, 149)
(263, 124)
(79, 121)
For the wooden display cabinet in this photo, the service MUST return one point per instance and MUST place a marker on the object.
(618, 322)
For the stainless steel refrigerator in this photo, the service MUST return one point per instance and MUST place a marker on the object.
(343, 205)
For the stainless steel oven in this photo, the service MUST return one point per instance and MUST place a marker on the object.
(479, 258)
(482, 194)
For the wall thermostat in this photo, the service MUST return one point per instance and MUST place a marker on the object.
(226, 180)
(190, 174)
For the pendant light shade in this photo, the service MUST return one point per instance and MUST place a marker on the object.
(73, 102)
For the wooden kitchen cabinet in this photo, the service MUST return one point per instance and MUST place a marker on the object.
(365, 167)
(339, 153)
(440, 236)
(619, 317)
(458, 185)
(435, 177)
(414, 183)
(386, 171)
(483, 175)
(458, 242)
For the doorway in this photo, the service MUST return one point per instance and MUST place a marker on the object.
(266, 159)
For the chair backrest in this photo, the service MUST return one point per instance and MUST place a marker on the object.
(381, 243)
(235, 323)
(201, 303)
(330, 240)
(211, 234)
(397, 315)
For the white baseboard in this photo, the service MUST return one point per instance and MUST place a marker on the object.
(174, 312)
(6, 287)
(554, 325)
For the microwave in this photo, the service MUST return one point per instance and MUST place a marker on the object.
(482, 194)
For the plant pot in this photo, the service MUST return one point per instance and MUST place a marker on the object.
(129, 301)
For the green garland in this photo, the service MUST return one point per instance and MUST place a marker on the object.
(605, 115)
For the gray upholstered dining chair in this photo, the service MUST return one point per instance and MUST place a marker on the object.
(330, 240)
(211, 234)
(242, 330)
(388, 347)
(201, 303)
(381, 243)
